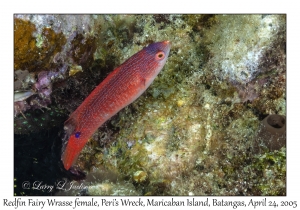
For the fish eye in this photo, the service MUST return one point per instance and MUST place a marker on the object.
(160, 55)
(77, 134)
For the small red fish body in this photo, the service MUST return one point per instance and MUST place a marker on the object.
(120, 88)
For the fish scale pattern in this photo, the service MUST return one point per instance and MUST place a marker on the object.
(121, 87)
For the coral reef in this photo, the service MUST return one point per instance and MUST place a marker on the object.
(239, 57)
(194, 130)
(38, 96)
(47, 47)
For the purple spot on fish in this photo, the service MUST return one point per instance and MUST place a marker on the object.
(77, 134)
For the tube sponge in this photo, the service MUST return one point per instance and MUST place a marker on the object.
(272, 133)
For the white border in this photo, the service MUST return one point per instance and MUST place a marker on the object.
(153, 6)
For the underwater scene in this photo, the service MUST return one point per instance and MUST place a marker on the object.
(154, 104)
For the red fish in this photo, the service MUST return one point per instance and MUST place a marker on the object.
(119, 89)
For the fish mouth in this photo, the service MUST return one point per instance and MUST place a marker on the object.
(167, 47)
(167, 43)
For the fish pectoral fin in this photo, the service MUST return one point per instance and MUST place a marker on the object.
(144, 81)
(70, 125)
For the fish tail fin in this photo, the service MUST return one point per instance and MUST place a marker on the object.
(69, 127)
(71, 153)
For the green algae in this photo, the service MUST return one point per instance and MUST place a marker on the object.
(272, 167)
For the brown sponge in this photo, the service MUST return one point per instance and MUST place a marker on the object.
(272, 134)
